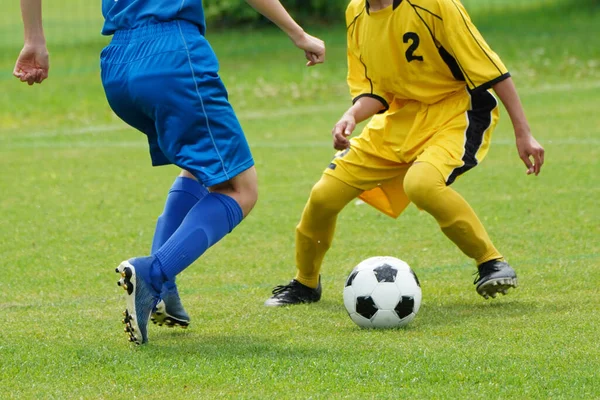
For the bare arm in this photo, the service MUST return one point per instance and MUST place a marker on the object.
(32, 64)
(362, 109)
(527, 146)
(31, 12)
(313, 47)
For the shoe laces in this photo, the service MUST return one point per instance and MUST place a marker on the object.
(285, 288)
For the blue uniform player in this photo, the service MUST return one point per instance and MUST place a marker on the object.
(161, 76)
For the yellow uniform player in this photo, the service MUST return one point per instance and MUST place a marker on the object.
(423, 73)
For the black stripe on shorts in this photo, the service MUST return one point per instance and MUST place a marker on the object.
(480, 119)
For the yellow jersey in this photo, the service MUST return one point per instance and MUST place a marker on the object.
(417, 50)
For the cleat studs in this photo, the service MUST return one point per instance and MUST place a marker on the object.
(123, 274)
(117, 270)
(125, 286)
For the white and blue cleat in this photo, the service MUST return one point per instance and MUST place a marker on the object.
(170, 312)
(141, 300)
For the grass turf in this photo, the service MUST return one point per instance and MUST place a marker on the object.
(79, 196)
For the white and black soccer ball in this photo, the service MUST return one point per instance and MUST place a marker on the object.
(382, 292)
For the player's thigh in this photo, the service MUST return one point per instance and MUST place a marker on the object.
(379, 178)
(115, 75)
(464, 140)
(197, 127)
(361, 167)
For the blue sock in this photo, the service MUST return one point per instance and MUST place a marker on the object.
(206, 223)
(183, 195)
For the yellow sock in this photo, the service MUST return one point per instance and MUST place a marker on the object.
(314, 233)
(425, 186)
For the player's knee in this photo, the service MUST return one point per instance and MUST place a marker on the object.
(320, 198)
(422, 183)
(243, 188)
(248, 199)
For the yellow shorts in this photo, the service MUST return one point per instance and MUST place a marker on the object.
(453, 135)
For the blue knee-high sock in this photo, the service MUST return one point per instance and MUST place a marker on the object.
(183, 195)
(206, 223)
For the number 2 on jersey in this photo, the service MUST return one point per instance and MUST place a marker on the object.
(410, 52)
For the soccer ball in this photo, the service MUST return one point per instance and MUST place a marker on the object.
(382, 292)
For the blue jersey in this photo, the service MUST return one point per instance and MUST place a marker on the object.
(129, 14)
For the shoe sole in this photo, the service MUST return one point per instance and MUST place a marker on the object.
(160, 317)
(270, 302)
(128, 283)
(492, 287)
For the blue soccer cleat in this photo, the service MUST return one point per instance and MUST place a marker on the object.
(169, 311)
(141, 299)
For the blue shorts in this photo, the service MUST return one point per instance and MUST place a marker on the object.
(163, 80)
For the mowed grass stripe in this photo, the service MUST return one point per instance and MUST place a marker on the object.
(277, 113)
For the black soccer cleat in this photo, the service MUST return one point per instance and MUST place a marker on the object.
(493, 277)
(293, 293)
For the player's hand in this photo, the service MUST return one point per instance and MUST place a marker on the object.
(314, 48)
(531, 152)
(342, 130)
(32, 64)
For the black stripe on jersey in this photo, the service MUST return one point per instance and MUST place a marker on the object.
(373, 96)
(426, 10)
(451, 61)
(394, 5)
(475, 39)
(480, 119)
(491, 83)
(351, 24)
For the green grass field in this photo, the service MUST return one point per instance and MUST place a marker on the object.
(79, 196)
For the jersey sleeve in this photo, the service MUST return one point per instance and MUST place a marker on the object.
(359, 82)
(479, 64)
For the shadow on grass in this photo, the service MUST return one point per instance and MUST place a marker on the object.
(241, 345)
(492, 310)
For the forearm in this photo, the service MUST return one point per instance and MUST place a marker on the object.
(31, 12)
(364, 108)
(276, 13)
(507, 93)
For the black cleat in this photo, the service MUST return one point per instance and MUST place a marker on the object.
(494, 277)
(293, 293)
